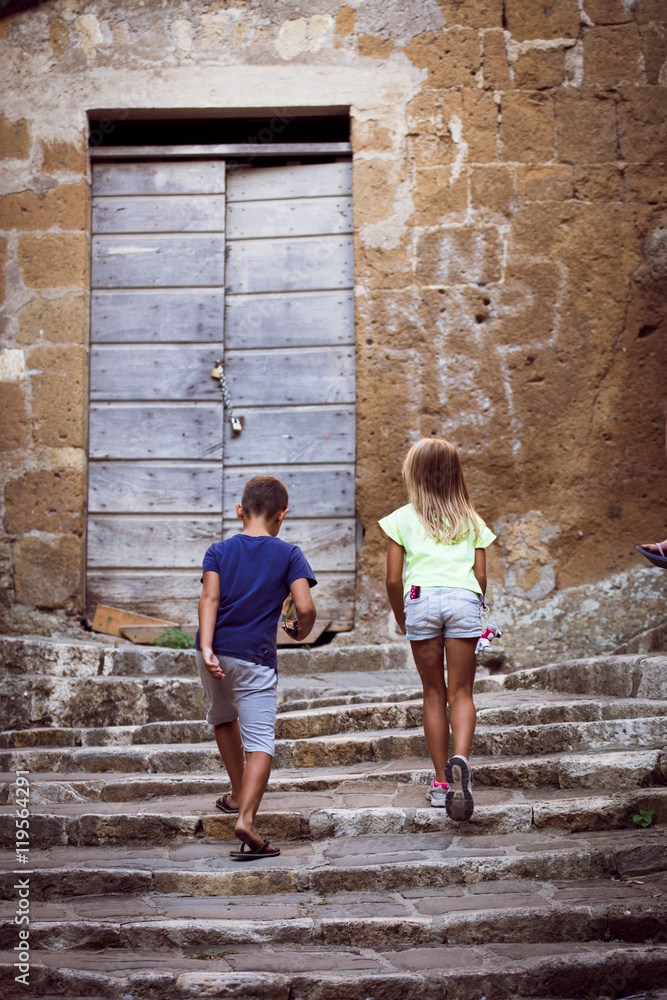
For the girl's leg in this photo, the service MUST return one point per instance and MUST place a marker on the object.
(430, 662)
(461, 666)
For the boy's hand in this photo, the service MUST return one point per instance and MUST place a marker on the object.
(212, 663)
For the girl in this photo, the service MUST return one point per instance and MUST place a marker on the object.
(442, 541)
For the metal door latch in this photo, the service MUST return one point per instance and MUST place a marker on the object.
(236, 422)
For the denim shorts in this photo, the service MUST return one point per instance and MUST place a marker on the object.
(248, 692)
(449, 611)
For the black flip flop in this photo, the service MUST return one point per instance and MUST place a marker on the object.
(653, 557)
(221, 804)
(249, 854)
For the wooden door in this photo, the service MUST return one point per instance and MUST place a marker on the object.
(163, 310)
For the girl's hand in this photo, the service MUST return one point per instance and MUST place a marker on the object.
(401, 624)
(212, 663)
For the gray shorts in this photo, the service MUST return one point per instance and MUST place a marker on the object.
(248, 692)
(447, 611)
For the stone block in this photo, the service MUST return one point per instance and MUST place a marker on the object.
(654, 48)
(63, 157)
(438, 195)
(374, 46)
(642, 124)
(492, 190)
(608, 11)
(56, 321)
(371, 135)
(646, 183)
(345, 21)
(586, 127)
(54, 260)
(527, 127)
(52, 501)
(48, 573)
(598, 183)
(477, 112)
(13, 417)
(375, 184)
(545, 183)
(495, 65)
(452, 57)
(3, 263)
(648, 11)
(59, 391)
(612, 55)
(462, 256)
(539, 69)
(65, 206)
(14, 139)
(472, 13)
(526, 19)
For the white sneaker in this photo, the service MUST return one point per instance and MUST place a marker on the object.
(458, 801)
(436, 794)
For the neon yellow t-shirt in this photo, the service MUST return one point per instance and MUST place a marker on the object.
(434, 564)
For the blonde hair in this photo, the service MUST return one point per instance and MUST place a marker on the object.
(437, 490)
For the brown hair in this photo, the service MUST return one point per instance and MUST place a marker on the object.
(264, 496)
(437, 490)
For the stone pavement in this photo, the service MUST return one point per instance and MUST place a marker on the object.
(549, 891)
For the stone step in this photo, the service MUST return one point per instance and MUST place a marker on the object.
(388, 863)
(624, 676)
(608, 770)
(21, 655)
(567, 968)
(334, 719)
(345, 749)
(506, 911)
(362, 811)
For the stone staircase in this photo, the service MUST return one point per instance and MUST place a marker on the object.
(550, 891)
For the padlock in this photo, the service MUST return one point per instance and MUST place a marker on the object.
(237, 425)
(216, 373)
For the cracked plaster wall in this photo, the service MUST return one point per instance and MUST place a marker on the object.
(510, 271)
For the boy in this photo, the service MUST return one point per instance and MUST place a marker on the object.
(245, 582)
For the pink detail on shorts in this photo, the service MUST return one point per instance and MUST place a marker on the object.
(414, 593)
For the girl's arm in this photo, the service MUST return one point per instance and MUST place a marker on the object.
(208, 612)
(394, 581)
(479, 569)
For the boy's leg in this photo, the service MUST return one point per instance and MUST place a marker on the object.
(228, 738)
(255, 778)
(255, 695)
(461, 666)
(429, 659)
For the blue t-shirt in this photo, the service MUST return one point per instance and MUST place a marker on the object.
(256, 573)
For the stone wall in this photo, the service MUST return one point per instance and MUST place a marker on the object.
(511, 258)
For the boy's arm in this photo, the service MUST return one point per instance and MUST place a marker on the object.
(208, 611)
(305, 608)
(394, 581)
(479, 569)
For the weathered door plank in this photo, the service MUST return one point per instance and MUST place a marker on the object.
(294, 435)
(163, 214)
(156, 371)
(133, 431)
(309, 375)
(289, 217)
(289, 319)
(157, 487)
(310, 180)
(314, 491)
(306, 263)
(157, 315)
(135, 261)
(188, 177)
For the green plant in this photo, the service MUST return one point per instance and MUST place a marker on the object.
(175, 638)
(643, 818)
